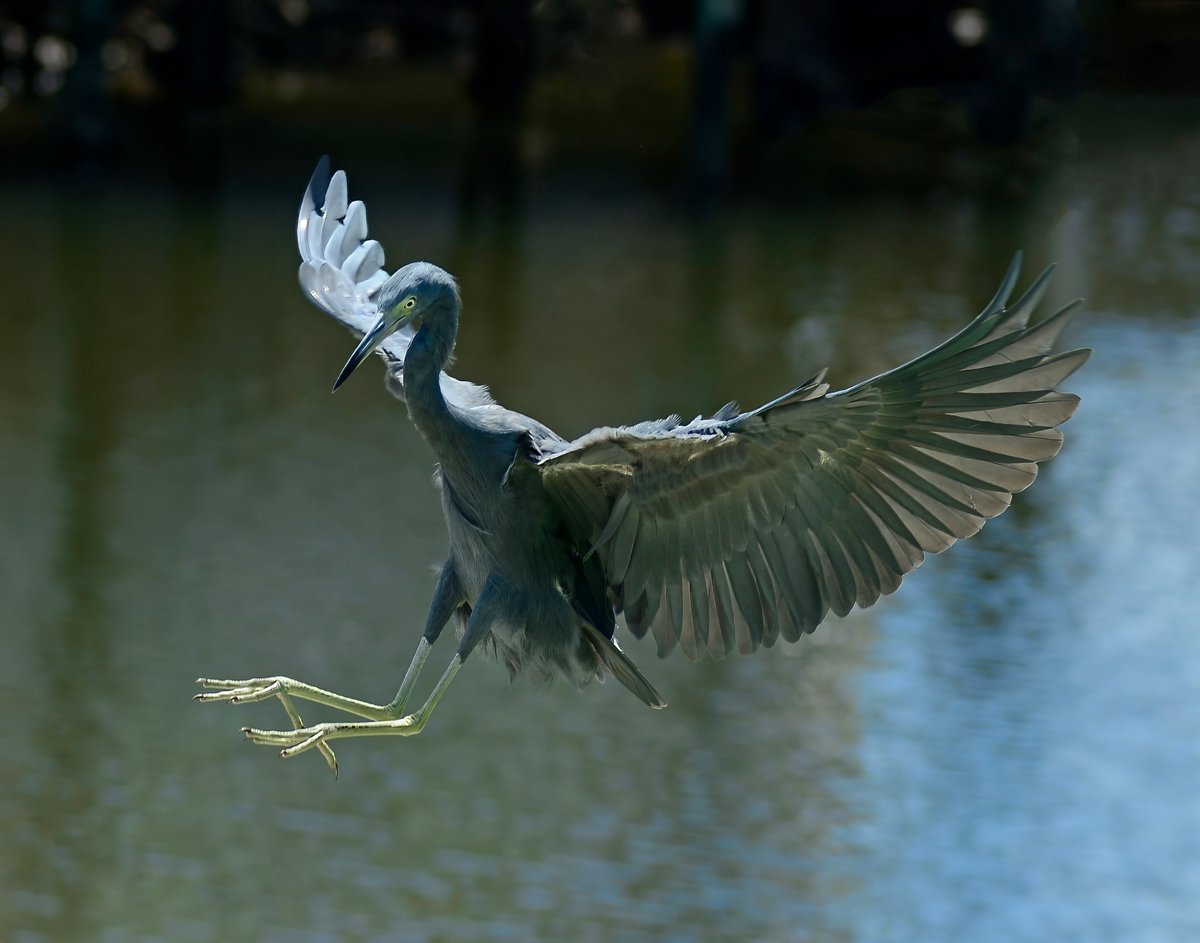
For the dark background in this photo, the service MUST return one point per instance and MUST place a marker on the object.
(739, 95)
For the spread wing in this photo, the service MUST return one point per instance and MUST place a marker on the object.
(341, 270)
(730, 532)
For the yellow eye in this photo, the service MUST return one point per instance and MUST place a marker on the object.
(410, 303)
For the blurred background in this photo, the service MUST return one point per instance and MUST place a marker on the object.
(652, 207)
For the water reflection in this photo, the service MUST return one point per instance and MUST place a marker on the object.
(74, 615)
(1005, 750)
(1068, 770)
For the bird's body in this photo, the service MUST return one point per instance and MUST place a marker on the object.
(722, 534)
(502, 527)
(504, 530)
(542, 631)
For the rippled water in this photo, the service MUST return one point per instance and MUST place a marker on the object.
(1005, 750)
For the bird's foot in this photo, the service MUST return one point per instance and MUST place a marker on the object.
(297, 741)
(382, 719)
(244, 692)
(260, 689)
(293, 741)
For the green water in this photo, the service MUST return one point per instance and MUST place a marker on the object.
(1005, 750)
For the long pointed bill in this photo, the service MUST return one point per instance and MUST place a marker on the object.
(377, 335)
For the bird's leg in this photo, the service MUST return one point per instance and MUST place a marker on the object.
(305, 738)
(250, 690)
(446, 599)
(494, 607)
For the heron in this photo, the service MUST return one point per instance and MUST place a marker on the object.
(727, 533)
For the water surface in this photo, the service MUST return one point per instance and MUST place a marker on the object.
(1005, 750)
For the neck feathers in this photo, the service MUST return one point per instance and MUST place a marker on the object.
(427, 355)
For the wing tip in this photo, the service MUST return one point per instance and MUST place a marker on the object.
(1007, 284)
(318, 184)
(321, 175)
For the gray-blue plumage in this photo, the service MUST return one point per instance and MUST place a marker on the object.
(767, 519)
(724, 533)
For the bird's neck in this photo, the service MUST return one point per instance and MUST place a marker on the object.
(423, 362)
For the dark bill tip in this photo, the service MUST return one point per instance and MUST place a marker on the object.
(366, 346)
(343, 376)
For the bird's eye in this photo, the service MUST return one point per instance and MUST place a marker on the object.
(410, 303)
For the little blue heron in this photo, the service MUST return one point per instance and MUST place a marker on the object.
(720, 534)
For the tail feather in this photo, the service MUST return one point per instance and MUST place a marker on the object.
(621, 668)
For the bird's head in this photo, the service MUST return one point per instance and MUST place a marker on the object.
(418, 292)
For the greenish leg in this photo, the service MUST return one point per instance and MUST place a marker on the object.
(251, 690)
(302, 739)
(260, 689)
(497, 605)
(446, 598)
